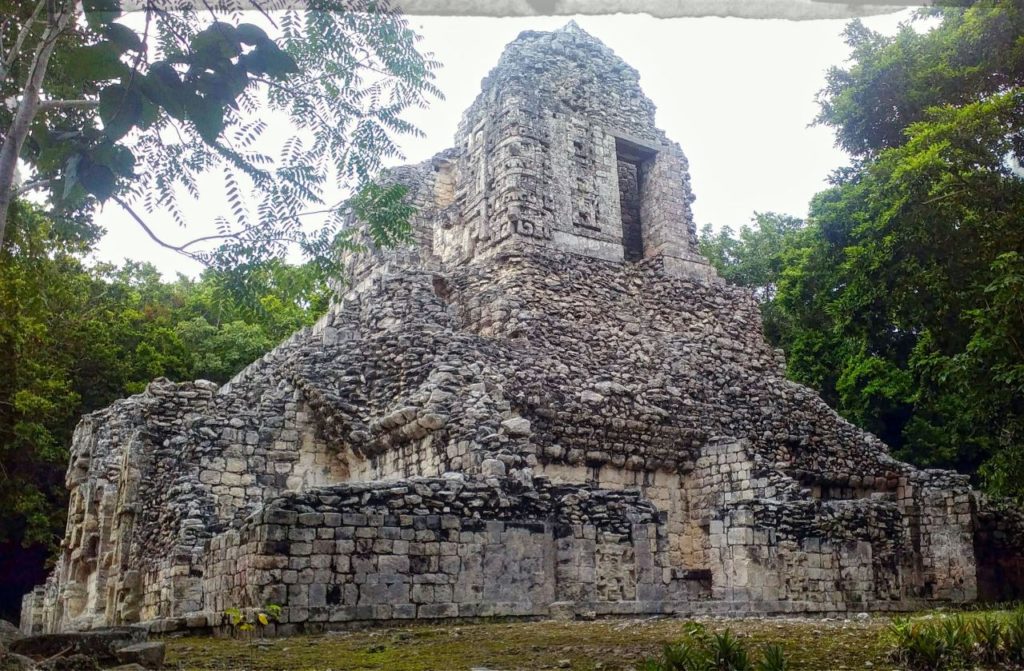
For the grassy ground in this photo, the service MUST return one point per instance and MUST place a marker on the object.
(810, 644)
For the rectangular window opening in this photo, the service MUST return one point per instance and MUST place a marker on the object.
(631, 159)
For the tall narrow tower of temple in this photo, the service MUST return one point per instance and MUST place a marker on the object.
(559, 150)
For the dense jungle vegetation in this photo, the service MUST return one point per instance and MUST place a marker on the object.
(901, 298)
(75, 336)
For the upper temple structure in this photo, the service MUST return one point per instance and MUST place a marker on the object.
(548, 404)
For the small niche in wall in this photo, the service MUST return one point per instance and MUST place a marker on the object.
(631, 160)
(444, 183)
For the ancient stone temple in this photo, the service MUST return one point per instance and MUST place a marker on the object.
(548, 405)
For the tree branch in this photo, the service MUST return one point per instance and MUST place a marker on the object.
(61, 16)
(29, 186)
(327, 210)
(12, 55)
(943, 196)
(217, 236)
(61, 104)
(138, 220)
(183, 248)
(264, 13)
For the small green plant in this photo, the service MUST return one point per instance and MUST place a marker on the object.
(899, 632)
(243, 622)
(773, 659)
(1013, 638)
(918, 646)
(701, 650)
(988, 639)
(684, 656)
(272, 612)
(235, 619)
(926, 650)
(957, 640)
(954, 642)
(240, 621)
(697, 631)
(728, 653)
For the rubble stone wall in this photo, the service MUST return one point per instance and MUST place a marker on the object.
(644, 383)
(664, 489)
(435, 548)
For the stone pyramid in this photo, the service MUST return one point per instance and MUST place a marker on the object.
(547, 405)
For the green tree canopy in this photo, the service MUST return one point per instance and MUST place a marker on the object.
(75, 337)
(902, 300)
(147, 107)
(755, 257)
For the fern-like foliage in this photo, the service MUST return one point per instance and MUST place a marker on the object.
(176, 104)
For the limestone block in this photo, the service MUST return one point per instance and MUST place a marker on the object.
(516, 426)
(149, 655)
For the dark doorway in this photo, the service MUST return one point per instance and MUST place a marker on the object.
(632, 160)
(629, 199)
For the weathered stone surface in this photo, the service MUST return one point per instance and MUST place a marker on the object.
(100, 644)
(516, 426)
(492, 467)
(548, 405)
(148, 654)
(8, 633)
(74, 662)
(10, 661)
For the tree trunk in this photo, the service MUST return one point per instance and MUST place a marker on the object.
(58, 21)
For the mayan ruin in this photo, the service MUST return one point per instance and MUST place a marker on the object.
(548, 405)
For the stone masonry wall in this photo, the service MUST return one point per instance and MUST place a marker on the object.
(537, 161)
(452, 547)
(629, 212)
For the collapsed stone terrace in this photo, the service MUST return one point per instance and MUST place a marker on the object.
(547, 405)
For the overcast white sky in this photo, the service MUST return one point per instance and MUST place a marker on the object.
(737, 94)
